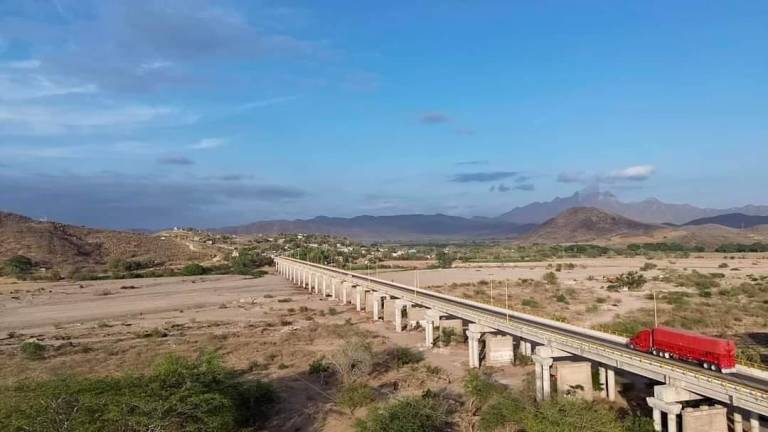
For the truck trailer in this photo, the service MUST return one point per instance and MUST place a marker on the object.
(712, 353)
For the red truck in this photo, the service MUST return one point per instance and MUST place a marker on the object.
(712, 353)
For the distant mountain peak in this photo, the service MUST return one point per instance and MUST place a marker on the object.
(650, 210)
(580, 224)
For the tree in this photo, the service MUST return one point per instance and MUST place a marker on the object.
(550, 278)
(424, 413)
(248, 261)
(354, 360)
(444, 259)
(193, 269)
(18, 266)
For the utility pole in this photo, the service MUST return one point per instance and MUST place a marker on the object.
(491, 292)
(655, 310)
(506, 298)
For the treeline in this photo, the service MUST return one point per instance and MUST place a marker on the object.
(247, 263)
(742, 247)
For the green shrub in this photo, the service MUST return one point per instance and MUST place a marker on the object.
(502, 412)
(32, 350)
(638, 424)
(412, 414)
(179, 394)
(355, 395)
(561, 298)
(18, 266)
(631, 280)
(550, 278)
(193, 269)
(248, 262)
(570, 415)
(531, 303)
(648, 266)
(480, 387)
(401, 356)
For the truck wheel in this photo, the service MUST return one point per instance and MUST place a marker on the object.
(654, 352)
(715, 368)
(666, 355)
(706, 365)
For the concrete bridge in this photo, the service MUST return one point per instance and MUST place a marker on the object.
(495, 334)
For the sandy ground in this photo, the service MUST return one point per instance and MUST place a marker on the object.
(265, 327)
(588, 302)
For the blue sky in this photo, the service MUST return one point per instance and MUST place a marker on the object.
(192, 112)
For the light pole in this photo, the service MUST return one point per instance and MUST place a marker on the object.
(655, 310)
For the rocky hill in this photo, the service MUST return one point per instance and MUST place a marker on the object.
(67, 247)
(650, 210)
(732, 220)
(587, 224)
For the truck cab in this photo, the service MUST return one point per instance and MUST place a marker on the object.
(642, 341)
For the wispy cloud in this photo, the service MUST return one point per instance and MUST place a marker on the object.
(39, 119)
(209, 143)
(267, 102)
(633, 173)
(480, 177)
(472, 162)
(636, 173)
(502, 187)
(430, 118)
(175, 160)
(464, 131)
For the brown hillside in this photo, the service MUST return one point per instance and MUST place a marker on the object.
(66, 247)
(584, 224)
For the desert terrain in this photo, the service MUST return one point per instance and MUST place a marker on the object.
(264, 327)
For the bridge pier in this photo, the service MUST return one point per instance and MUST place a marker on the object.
(430, 318)
(400, 307)
(525, 348)
(671, 409)
(608, 382)
(359, 298)
(474, 335)
(754, 422)
(325, 286)
(543, 377)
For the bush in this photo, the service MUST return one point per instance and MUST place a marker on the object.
(193, 269)
(413, 414)
(648, 266)
(570, 415)
(18, 266)
(631, 280)
(353, 360)
(638, 424)
(355, 395)
(503, 411)
(531, 303)
(480, 387)
(248, 262)
(32, 350)
(178, 395)
(550, 278)
(401, 356)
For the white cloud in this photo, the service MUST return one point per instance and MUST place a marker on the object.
(24, 86)
(153, 65)
(633, 173)
(51, 120)
(209, 143)
(24, 64)
(267, 102)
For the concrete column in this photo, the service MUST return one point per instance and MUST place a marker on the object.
(611, 384)
(333, 288)
(754, 422)
(399, 306)
(429, 332)
(672, 409)
(325, 286)
(543, 377)
(738, 422)
(473, 340)
(376, 306)
(525, 348)
(603, 381)
(657, 420)
(359, 298)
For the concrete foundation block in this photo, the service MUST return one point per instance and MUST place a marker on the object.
(389, 310)
(415, 315)
(705, 418)
(574, 379)
(457, 326)
(370, 298)
(499, 350)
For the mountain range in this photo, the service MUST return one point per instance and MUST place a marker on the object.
(650, 210)
(514, 223)
(732, 220)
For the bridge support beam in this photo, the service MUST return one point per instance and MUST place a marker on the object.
(359, 298)
(608, 383)
(431, 317)
(543, 374)
(401, 306)
(738, 422)
(377, 306)
(325, 286)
